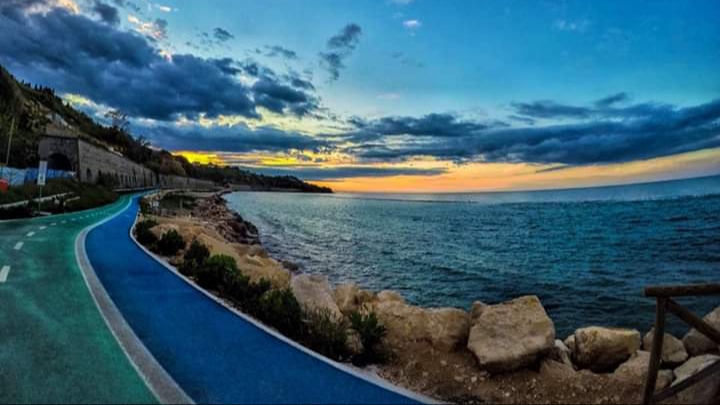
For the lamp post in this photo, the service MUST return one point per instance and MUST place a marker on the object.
(7, 155)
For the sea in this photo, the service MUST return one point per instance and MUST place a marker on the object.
(587, 254)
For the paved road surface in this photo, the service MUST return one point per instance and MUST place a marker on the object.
(214, 355)
(54, 344)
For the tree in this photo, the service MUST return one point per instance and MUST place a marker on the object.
(119, 120)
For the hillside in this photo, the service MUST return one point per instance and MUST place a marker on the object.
(30, 106)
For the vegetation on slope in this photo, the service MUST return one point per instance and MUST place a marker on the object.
(29, 106)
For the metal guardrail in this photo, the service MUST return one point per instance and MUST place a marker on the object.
(665, 303)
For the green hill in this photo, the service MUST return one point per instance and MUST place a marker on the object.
(31, 108)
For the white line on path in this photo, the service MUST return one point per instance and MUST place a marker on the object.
(19, 245)
(4, 274)
(30, 234)
(53, 224)
(42, 228)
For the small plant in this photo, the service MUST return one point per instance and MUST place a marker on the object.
(143, 233)
(246, 294)
(170, 243)
(195, 257)
(218, 273)
(326, 334)
(371, 334)
(281, 310)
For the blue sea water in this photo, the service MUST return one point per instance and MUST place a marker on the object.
(587, 253)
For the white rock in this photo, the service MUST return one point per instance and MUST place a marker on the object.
(696, 343)
(603, 349)
(511, 335)
(673, 351)
(705, 392)
(314, 292)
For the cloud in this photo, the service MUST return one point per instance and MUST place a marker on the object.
(339, 48)
(412, 24)
(107, 13)
(153, 30)
(571, 26)
(123, 70)
(276, 50)
(345, 172)
(222, 35)
(612, 99)
(235, 139)
(610, 135)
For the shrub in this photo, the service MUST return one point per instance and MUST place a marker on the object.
(247, 295)
(218, 273)
(195, 257)
(326, 334)
(143, 233)
(371, 334)
(170, 243)
(281, 310)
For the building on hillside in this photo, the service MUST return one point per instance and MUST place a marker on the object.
(65, 150)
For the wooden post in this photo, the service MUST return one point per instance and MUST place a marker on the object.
(656, 354)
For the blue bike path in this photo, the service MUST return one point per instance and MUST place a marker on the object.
(214, 355)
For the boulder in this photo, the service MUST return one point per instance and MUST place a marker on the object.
(313, 292)
(603, 349)
(673, 351)
(389, 296)
(570, 343)
(444, 329)
(705, 392)
(350, 298)
(512, 335)
(635, 370)
(561, 354)
(448, 328)
(696, 343)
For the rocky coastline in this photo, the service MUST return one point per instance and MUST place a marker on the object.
(501, 353)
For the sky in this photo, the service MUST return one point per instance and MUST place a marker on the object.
(394, 95)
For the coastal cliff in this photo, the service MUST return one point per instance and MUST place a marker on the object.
(501, 353)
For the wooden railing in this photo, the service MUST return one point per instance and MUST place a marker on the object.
(665, 304)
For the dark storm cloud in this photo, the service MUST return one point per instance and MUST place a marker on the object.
(107, 13)
(222, 35)
(123, 70)
(339, 48)
(429, 126)
(642, 131)
(237, 138)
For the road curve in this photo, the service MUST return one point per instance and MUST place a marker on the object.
(54, 345)
(214, 354)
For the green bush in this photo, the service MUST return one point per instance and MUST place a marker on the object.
(217, 273)
(281, 310)
(143, 233)
(326, 334)
(246, 294)
(170, 243)
(371, 334)
(195, 257)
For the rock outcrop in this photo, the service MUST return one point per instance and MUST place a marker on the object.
(705, 392)
(696, 343)
(561, 354)
(635, 370)
(512, 335)
(350, 298)
(603, 349)
(444, 329)
(673, 351)
(314, 293)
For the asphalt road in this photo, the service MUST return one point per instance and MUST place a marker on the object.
(54, 344)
